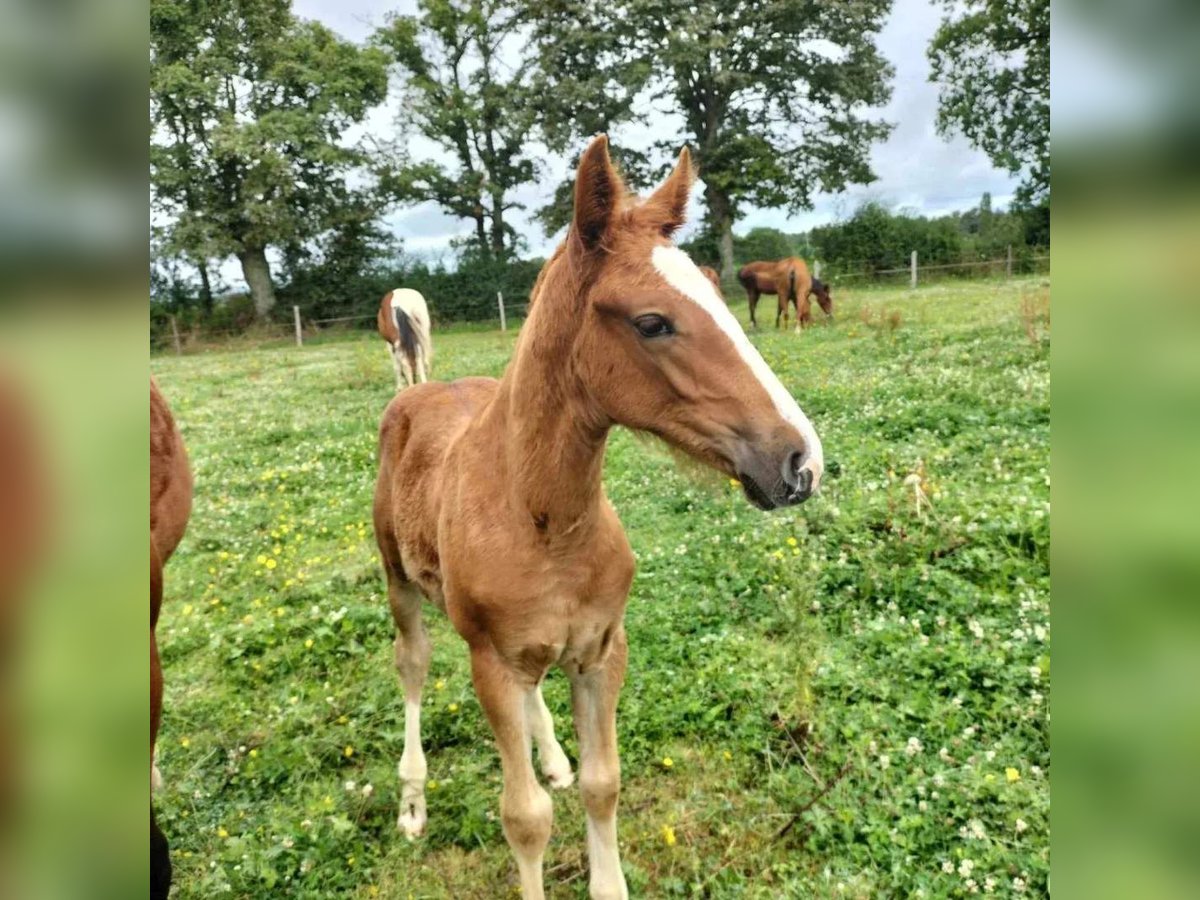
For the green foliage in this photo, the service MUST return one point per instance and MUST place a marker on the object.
(889, 641)
(771, 112)
(249, 106)
(757, 243)
(991, 62)
(463, 92)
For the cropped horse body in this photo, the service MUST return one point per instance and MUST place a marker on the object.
(403, 321)
(789, 279)
(712, 275)
(170, 506)
(490, 505)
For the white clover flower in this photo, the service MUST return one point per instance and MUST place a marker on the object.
(350, 787)
(913, 747)
(975, 628)
(1021, 825)
(368, 790)
(965, 867)
(947, 867)
(884, 761)
(1018, 885)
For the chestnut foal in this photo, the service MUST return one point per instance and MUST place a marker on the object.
(170, 506)
(489, 501)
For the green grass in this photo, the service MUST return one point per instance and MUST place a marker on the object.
(891, 654)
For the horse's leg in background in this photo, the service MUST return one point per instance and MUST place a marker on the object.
(781, 309)
(526, 811)
(594, 697)
(803, 313)
(397, 355)
(752, 302)
(555, 765)
(420, 355)
(412, 663)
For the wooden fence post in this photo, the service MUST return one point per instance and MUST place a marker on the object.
(175, 337)
(299, 331)
(500, 303)
(1008, 263)
(913, 267)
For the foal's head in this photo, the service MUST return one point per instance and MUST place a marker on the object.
(820, 290)
(658, 350)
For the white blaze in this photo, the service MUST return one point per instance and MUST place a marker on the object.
(681, 273)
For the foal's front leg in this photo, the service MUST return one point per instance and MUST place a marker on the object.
(594, 697)
(526, 811)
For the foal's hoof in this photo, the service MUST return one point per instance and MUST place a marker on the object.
(559, 775)
(411, 822)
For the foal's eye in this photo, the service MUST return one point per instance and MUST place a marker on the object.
(652, 325)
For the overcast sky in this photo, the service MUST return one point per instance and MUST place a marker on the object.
(916, 168)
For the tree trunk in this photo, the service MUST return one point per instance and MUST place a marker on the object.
(497, 227)
(720, 217)
(481, 229)
(206, 297)
(257, 272)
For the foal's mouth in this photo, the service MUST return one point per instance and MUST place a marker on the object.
(791, 496)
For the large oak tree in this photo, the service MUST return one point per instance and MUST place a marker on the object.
(249, 110)
(775, 96)
(991, 62)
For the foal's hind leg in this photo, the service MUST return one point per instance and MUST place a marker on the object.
(412, 662)
(555, 765)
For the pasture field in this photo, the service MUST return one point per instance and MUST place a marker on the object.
(849, 699)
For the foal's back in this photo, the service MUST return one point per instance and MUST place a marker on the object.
(418, 427)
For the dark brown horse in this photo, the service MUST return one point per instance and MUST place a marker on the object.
(790, 279)
(170, 506)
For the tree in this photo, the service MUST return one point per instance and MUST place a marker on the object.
(991, 62)
(773, 95)
(249, 106)
(468, 89)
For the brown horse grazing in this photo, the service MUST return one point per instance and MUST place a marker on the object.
(489, 501)
(711, 275)
(790, 279)
(403, 321)
(170, 506)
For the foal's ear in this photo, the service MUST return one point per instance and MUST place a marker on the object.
(667, 207)
(598, 192)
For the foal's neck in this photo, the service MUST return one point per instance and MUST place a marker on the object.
(553, 434)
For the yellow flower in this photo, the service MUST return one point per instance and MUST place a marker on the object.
(271, 564)
(260, 559)
(728, 756)
(342, 720)
(185, 742)
(187, 609)
(254, 753)
(778, 554)
(308, 644)
(293, 700)
(667, 762)
(439, 685)
(453, 707)
(1012, 775)
(668, 834)
(348, 752)
(222, 833)
(733, 482)
(791, 542)
(432, 785)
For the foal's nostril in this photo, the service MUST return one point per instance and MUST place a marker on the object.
(793, 470)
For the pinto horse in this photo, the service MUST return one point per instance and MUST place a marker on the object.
(790, 279)
(170, 506)
(403, 321)
(489, 501)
